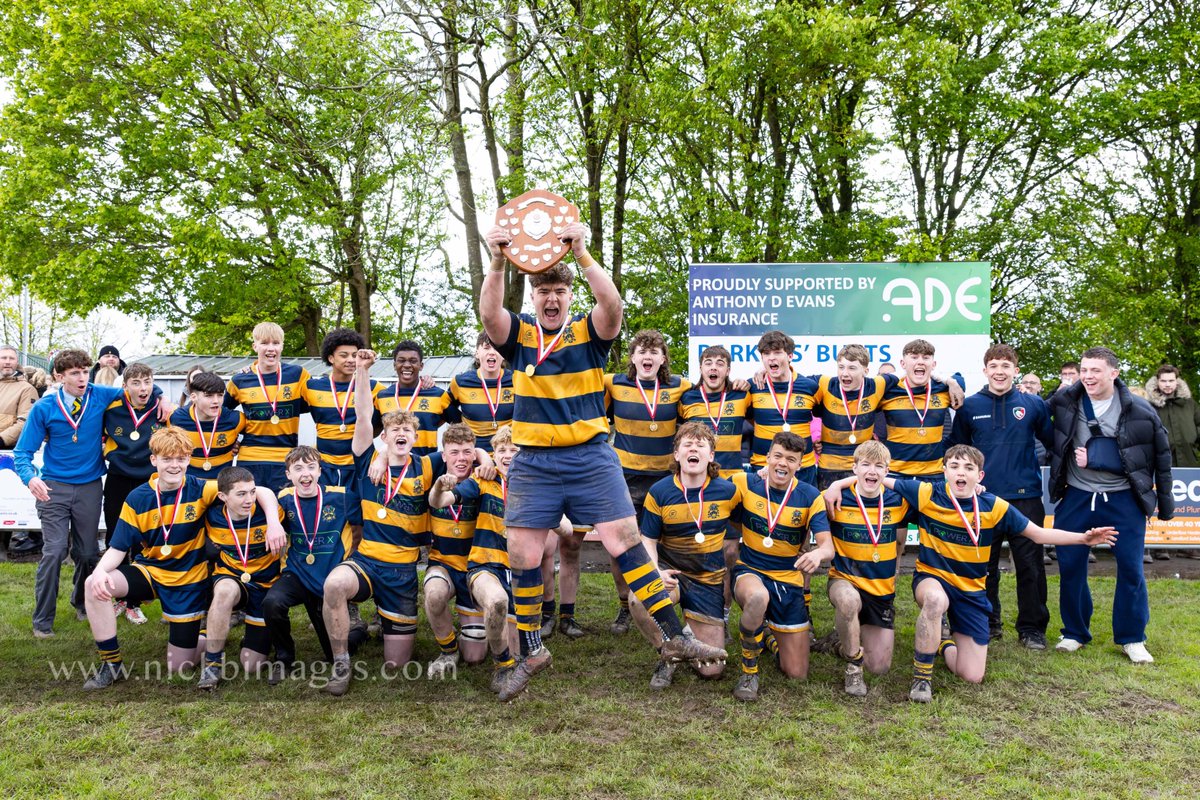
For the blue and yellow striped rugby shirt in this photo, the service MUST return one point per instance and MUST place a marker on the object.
(265, 442)
(490, 545)
(725, 418)
(332, 539)
(261, 563)
(670, 519)
(914, 453)
(803, 514)
(854, 558)
(837, 451)
(433, 407)
(140, 531)
(768, 421)
(333, 443)
(220, 438)
(399, 536)
(471, 398)
(644, 445)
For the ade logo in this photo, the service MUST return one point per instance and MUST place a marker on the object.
(1183, 491)
(933, 299)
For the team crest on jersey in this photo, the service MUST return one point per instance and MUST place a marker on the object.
(328, 515)
(423, 405)
(189, 514)
(664, 396)
(417, 487)
(118, 431)
(287, 393)
(728, 409)
(759, 505)
(935, 401)
(796, 518)
(714, 511)
(1019, 412)
(506, 396)
(221, 440)
(569, 335)
(865, 406)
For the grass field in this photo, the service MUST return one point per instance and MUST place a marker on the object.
(1042, 725)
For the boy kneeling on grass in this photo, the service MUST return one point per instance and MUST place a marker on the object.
(163, 521)
(957, 525)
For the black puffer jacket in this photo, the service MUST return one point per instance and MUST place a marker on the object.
(1145, 451)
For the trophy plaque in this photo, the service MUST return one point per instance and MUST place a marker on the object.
(534, 221)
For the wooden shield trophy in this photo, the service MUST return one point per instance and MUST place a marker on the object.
(534, 221)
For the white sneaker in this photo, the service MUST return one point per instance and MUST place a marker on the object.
(1066, 645)
(1138, 653)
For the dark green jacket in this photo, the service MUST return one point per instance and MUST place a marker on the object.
(1180, 415)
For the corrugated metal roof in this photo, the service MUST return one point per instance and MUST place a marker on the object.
(440, 368)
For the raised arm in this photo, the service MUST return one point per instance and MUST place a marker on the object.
(606, 317)
(364, 405)
(492, 313)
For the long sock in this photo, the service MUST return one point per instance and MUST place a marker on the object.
(770, 642)
(527, 598)
(214, 659)
(109, 650)
(946, 644)
(923, 665)
(547, 609)
(647, 586)
(567, 610)
(449, 643)
(624, 601)
(503, 660)
(752, 645)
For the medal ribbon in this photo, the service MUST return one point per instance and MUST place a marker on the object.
(787, 401)
(698, 517)
(87, 398)
(652, 409)
(343, 407)
(391, 490)
(311, 540)
(212, 436)
(975, 532)
(455, 511)
(492, 405)
(137, 421)
(928, 394)
(243, 555)
(504, 489)
(166, 529)
(846, 406)
(396, 395)
(278, 387)
(544, 352)
(773, 516)
(716, 422)
(876, 532)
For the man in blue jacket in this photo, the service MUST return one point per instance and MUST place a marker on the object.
(70, 421)
(1004, 424)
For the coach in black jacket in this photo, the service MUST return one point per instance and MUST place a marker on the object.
(1118, 479)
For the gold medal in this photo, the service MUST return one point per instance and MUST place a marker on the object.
(875, 556)
(342, 427)
(245, 577)
(786, 427)
(457, 530)
(207, 465)
(920, 431)
(310, 559)
(768, 542)
(75, 437)
(274, 419)
(133, 437)
(699, 537)
(381, 513)
(493, 424)
(165, 550)
(853, 439)
(653, 426)
(529, 368)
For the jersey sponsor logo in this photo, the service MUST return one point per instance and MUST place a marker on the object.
(1019, 412)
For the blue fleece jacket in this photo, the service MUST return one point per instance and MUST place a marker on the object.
(1004, 428)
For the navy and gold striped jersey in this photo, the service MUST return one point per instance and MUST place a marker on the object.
(644, 445)
(333, 443)
(453, 531)
(266, 442)
(471, 397)
(261, 563)
(869, 566)
(489, 548)
(725, 418)
(768, 421)
(332, 539)
(916, 446)
(803, 513)
(861, 405)
(562, 403)
(946, 549)
(399, 536)
(221, 439)
(128, 456)
(140, 531)
(670, 519)
(432, 407)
